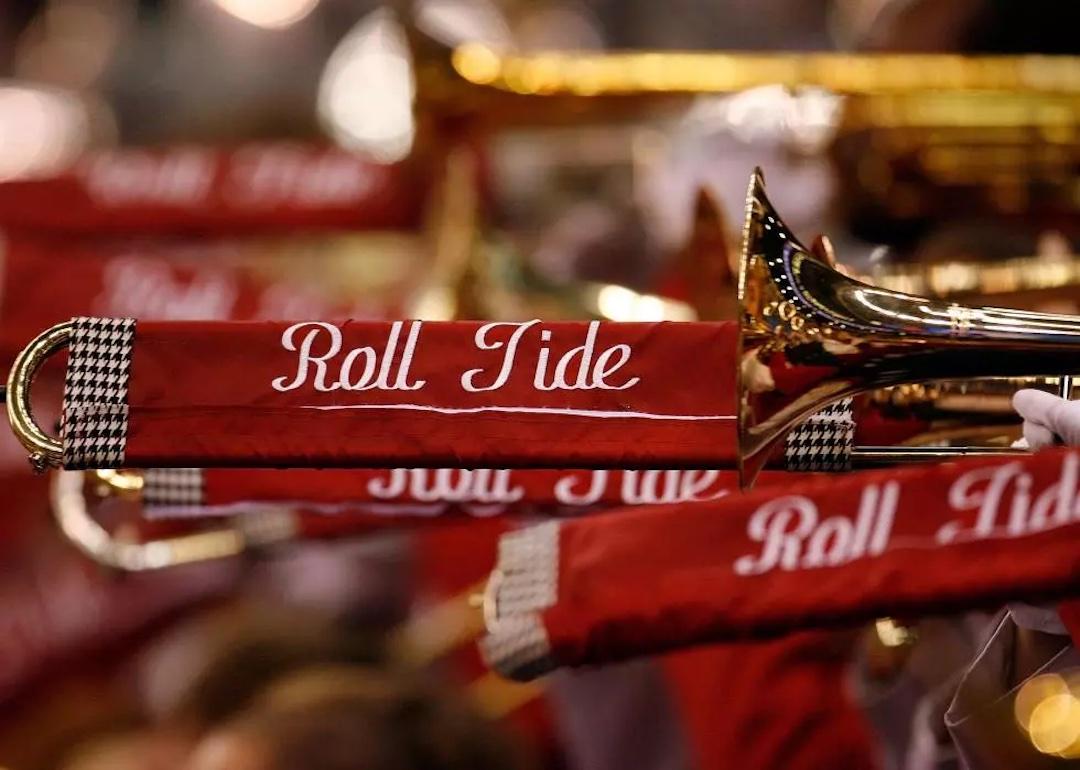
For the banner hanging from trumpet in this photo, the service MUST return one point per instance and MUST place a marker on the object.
(823, 552)
(373, 394)
(480, 492)
(526, 394)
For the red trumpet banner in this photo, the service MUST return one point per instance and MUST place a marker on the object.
(440, 394)
(814, 554)
(49, 279)
(264, 187)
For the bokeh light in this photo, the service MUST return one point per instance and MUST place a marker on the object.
(366, 91)
(618, 303)
(1048, 710)
(457, 21)
(893, 634)
(269, 14)
(41, 130)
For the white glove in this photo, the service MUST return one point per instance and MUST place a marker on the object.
(1048, 418)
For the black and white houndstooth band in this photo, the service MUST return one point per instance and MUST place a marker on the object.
(95, 392)
(173, 488)
(527, 582)
(824, 441)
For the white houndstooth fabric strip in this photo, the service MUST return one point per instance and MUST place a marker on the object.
(95, 393)
(528, 563)
(173, 488)
(527, 571)
(824, 441)
(518, 648)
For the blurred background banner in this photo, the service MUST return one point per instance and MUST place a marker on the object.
(499, 160)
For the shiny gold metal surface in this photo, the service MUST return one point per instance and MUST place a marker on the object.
(45, 450)
(1010, 276)
(811, 336)
(947, 413)
(122, 484)
(80, 528)
(691, 72)
(550, 87)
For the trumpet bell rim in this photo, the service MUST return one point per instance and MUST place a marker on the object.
(750, 458)
(757, 182)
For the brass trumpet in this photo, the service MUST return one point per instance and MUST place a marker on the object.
(811, 336)
(71, 512)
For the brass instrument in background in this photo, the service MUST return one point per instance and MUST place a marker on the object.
(910, 128)
(211, 541)
(1021, 281)
(917, 139)
(472, 78)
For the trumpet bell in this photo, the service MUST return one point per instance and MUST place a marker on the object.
(810, 335)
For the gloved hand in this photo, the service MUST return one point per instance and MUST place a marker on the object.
(1047, 418)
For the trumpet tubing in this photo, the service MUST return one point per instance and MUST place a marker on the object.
(811, 335)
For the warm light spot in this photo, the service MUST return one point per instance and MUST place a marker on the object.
(269, 14)
(619, 303)
(476, 63)
(41, 130)
(1054, 726)
(435, 303)
(1033, 692)
(366, 92)
(892, 634)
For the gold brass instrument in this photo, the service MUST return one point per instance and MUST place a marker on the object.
(978, 126)
(77, 524)
(811, 336)
(476, 78)
(949, 413)
(1015, 276)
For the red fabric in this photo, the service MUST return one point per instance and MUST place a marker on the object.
(220, 394)
(56, 606)
(770, 704)
(482, 492)
(50, 278)
(342, 510)
(451, 561)
(200, 189)
(822, 552)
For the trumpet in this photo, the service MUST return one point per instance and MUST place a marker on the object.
(811, 336)
(74, 519)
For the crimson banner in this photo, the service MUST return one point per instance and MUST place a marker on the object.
(813, 554)
(265, 187)
(47, 279)
(389, 394)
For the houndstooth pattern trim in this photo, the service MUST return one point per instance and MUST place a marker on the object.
(173, 487)
(518, 648)
(527, 580)
(528, 563)
(95, 393)
(824, 441)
